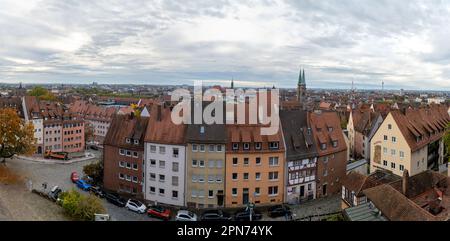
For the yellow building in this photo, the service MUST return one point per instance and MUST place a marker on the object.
(410, 140)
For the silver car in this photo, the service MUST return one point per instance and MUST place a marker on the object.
(185, 215)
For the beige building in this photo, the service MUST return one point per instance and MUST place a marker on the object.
(205, 166)
(410, 140)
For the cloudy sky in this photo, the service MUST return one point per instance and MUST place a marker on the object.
(260, 43)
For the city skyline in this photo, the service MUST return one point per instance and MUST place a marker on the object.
(255, 43)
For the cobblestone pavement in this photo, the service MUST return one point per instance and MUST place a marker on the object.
(52, 174)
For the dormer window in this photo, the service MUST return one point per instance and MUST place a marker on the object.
(335, 144)
(128, 140)
(246, 146)
(258, 145)
(330, 129)
(235, 146)
(273, 145)
(323, 146)
(136, 142)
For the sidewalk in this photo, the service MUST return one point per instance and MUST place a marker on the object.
(89, 156)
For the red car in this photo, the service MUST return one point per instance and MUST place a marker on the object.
(74, 177)
(159, 212)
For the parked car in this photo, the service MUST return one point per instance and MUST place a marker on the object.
(159, 212)
(244, 215)
(279, 211)
(74, 177)
(54, 193)
(93, 147)
(215, 215)
(97, 191)
(136, 206)
(185, 215)
(115, 199)
(83, 185)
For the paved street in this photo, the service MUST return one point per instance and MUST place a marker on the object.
(52, 174)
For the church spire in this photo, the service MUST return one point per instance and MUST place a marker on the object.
(232, 83)
(304, 80)
(301, 78)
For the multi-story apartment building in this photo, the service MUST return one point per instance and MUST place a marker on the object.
(410, 140)
(98, 117)
(301, 156)
(31, 112)
(56, 128)
(254, 169)
(123, 155)
(332, 150)
(205, 165)
(165, 159)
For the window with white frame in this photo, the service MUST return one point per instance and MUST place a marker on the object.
(162, 150)
(152, 162)
(258, 176)
(219, 148)
(234, 192)
(211, 163)
(273, 161)
(162, 178)
(235, 146)
(152, 148)
(402, 154)
(121, 164)
(211, 148)
(174, 181)
(219, 164)
(219, 178)
(152, 176)
(273, 191)
(162, 164)
(273, 176)
(201, 163)
(122, 152)
(194, 163)
(202, 148)
(194, 148)
(175, 166)
(394, 139)
(385, 163)
(175, 152)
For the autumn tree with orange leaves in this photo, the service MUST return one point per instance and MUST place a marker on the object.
(16, 136)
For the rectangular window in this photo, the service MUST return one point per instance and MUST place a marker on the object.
(385, 163)
(161, 191)
(175, 152)
(258, 161)
(128, 165)
(174, 181)
(219, 178)
(258, 176)
(194, 148)
(257, 191)
(175, 166)
(202, 148)
(121, 164)
(152, 162)
(402, 167)
(273, 175)
(175, 194)
(122, 152)
(152, 176)
(201, 163)
(135, 166)
(234, 192)
(135, 179)
(394, 139)
(211, 148)
(128, 153)
(393, 152)
(389, 127)
(234, 176)
(235, 161)
(402, 154)
(273, 161)
(194, 163)
(273, 191)
(385, 150)
(121, 176)
(135, 154)
(219, 164)
(162, 178)
(219, 148)
(152, 149)
(246, 161)
(210, 194)
(246, 176)
(393, 165)
(162, 164)
(211, 163)
(152, 190)
(162, 150)
(385, 137)
(201, 178)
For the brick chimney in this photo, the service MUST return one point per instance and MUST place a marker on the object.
(405, 182)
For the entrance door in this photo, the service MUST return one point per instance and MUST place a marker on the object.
(245, 196)
(302, 191)
(324, 189)
(220, 198)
